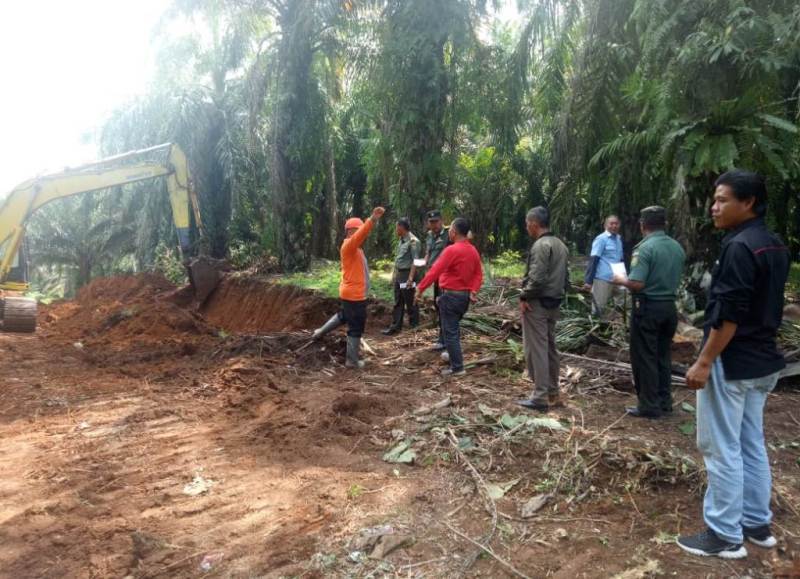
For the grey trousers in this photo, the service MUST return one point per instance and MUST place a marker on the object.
(541, 356)
(602, 291)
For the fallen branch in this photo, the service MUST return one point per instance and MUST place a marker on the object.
(619, 365)
(367, 348)
(482, 361)
(304, 346)
(433, 407)
(421, 563)
(791, 370)
(483, 490)
(488, 551)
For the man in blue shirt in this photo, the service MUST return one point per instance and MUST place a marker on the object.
(606, 249)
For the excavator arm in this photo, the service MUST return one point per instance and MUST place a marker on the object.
(167, 161)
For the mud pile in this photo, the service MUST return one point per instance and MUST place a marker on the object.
(250, 305)
(125, 320)
(117, 312)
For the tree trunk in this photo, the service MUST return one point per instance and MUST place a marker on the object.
(84, 271)
(292, 113)
(794, 242)
(331, 207)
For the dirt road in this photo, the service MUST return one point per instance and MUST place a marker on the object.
(139, 438)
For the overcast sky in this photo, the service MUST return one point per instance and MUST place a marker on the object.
(65, 65)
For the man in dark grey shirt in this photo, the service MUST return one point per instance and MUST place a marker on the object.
(543, 288)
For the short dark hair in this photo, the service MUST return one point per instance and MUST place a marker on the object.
(540, 215)
(461, 226)
(746, 185)
(404, 223)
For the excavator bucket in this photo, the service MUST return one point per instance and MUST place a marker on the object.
(205, 274)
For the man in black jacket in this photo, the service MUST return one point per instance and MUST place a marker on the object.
(738, 366)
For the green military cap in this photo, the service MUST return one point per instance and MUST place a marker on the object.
(653, 215)
(434, 214)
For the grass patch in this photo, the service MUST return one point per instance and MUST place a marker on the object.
(507, 264)
(325, 276)
(511, 264)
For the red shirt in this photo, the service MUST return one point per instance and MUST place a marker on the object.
(458, 268)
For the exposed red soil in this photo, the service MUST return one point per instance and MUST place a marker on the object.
(123, 400)
(113, 312)
(254, 305)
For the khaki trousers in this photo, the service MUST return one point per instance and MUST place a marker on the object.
(602, 291)
(541, 356)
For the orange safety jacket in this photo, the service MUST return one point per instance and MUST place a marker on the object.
(355, 272)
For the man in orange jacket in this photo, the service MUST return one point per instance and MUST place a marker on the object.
(354, 287)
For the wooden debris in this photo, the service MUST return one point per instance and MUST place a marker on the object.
(791, 370)
(433, 407)
(617, 365)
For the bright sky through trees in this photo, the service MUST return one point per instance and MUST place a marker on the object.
(65, 66)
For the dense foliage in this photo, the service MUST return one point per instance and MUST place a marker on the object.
(298, 113)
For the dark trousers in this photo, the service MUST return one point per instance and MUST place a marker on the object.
(354, 314)
(653, 324)
(452, 307)
(437, 292)
(404, 302)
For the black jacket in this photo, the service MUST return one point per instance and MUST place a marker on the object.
(747, 285)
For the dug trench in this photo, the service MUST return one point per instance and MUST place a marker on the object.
(140, 437)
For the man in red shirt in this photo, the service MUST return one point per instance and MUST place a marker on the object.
(459, 274)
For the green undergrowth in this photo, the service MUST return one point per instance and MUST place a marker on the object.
(509, 264)
(793, 285)
(325, 276)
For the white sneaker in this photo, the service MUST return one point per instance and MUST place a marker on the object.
(761, 536)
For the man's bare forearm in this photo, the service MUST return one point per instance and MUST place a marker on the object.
(717, 341)
(634, 286)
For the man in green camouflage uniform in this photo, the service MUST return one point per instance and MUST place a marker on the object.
(404, 278)
(437, 239)
(656, 269)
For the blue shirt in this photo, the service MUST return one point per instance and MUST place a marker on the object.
(608, 248)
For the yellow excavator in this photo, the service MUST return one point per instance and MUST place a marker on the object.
(17, 312)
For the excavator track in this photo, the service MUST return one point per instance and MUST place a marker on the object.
(19, 315)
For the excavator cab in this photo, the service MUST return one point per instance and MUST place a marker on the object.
(18, 313)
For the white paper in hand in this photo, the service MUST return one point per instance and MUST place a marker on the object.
(618, 270)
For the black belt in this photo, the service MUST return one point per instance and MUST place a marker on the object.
(458, 292)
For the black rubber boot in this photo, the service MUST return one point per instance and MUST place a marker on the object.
(352, 359)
